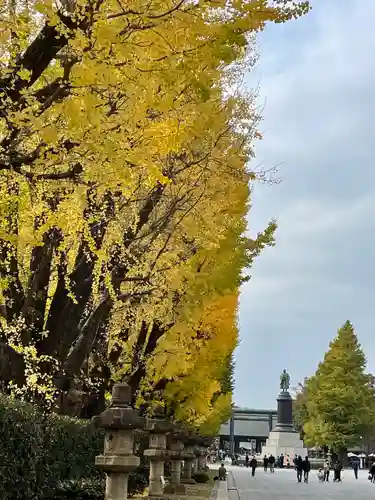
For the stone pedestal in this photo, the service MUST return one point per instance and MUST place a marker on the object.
(284, 413)
(176, 455)
(195, 461)
(283, 439)
(201, 459)
(189, 458)
(286, 443)
(201, 453)
(118, 460)
(158, 427)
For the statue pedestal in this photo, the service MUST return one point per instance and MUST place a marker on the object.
(284, 413)
(286, 443)
(283, 439)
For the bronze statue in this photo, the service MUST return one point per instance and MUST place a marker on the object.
(284, 381)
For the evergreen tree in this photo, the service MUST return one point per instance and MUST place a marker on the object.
(340, 403)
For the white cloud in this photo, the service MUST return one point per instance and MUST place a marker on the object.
(321, 93)
(313, 216)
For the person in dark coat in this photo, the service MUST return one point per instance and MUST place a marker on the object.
(253, 465)
(247, 460)
(265, 463)
(337, 472)
(371, 473)
(299, 468)
(271, 461)
(222, 473)
(306, 466)
(355, 466)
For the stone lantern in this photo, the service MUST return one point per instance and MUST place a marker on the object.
(119, 421)
(207, 443)
(201, 453)
(189, 458)
(195, 439)
(176, 455)
(158, 427)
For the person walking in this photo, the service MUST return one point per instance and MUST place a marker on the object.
(253, 465)
(337, 472)
(299, 468)
(326, 469)
(371, 473)
(355, 466)
(247, 460)
(271, 461)
(265, 463)
(306, 466)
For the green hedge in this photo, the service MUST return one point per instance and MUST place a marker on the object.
(20, 451)
(72, 446)
(37, 452)
(201, 477)
(46, 457)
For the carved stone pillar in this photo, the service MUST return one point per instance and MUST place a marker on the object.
(117, 461)
(206, 443)
(200, 452)
(195, 444)
(158, 427)
(176, 455)
(189, 458)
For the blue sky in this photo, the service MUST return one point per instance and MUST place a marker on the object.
(317, 81)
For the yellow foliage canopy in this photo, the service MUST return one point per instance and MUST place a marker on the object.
(123, 187)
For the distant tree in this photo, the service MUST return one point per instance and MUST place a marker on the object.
(340, 398)
(300, 407)
(368, 438)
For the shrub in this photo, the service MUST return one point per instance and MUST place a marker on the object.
(71, 447)
(93, 489)
(138, 482)
(201, 477)
(52, 457)
(82, 489)
(21, 434)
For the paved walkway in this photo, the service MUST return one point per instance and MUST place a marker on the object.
(283, 485)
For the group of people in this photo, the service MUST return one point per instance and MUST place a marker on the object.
(323, 473)
(268, 462)
(303, 468)
(284, 461)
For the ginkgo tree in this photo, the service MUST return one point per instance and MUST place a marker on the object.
(122, 156)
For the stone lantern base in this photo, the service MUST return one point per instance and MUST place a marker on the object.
(175, 489)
